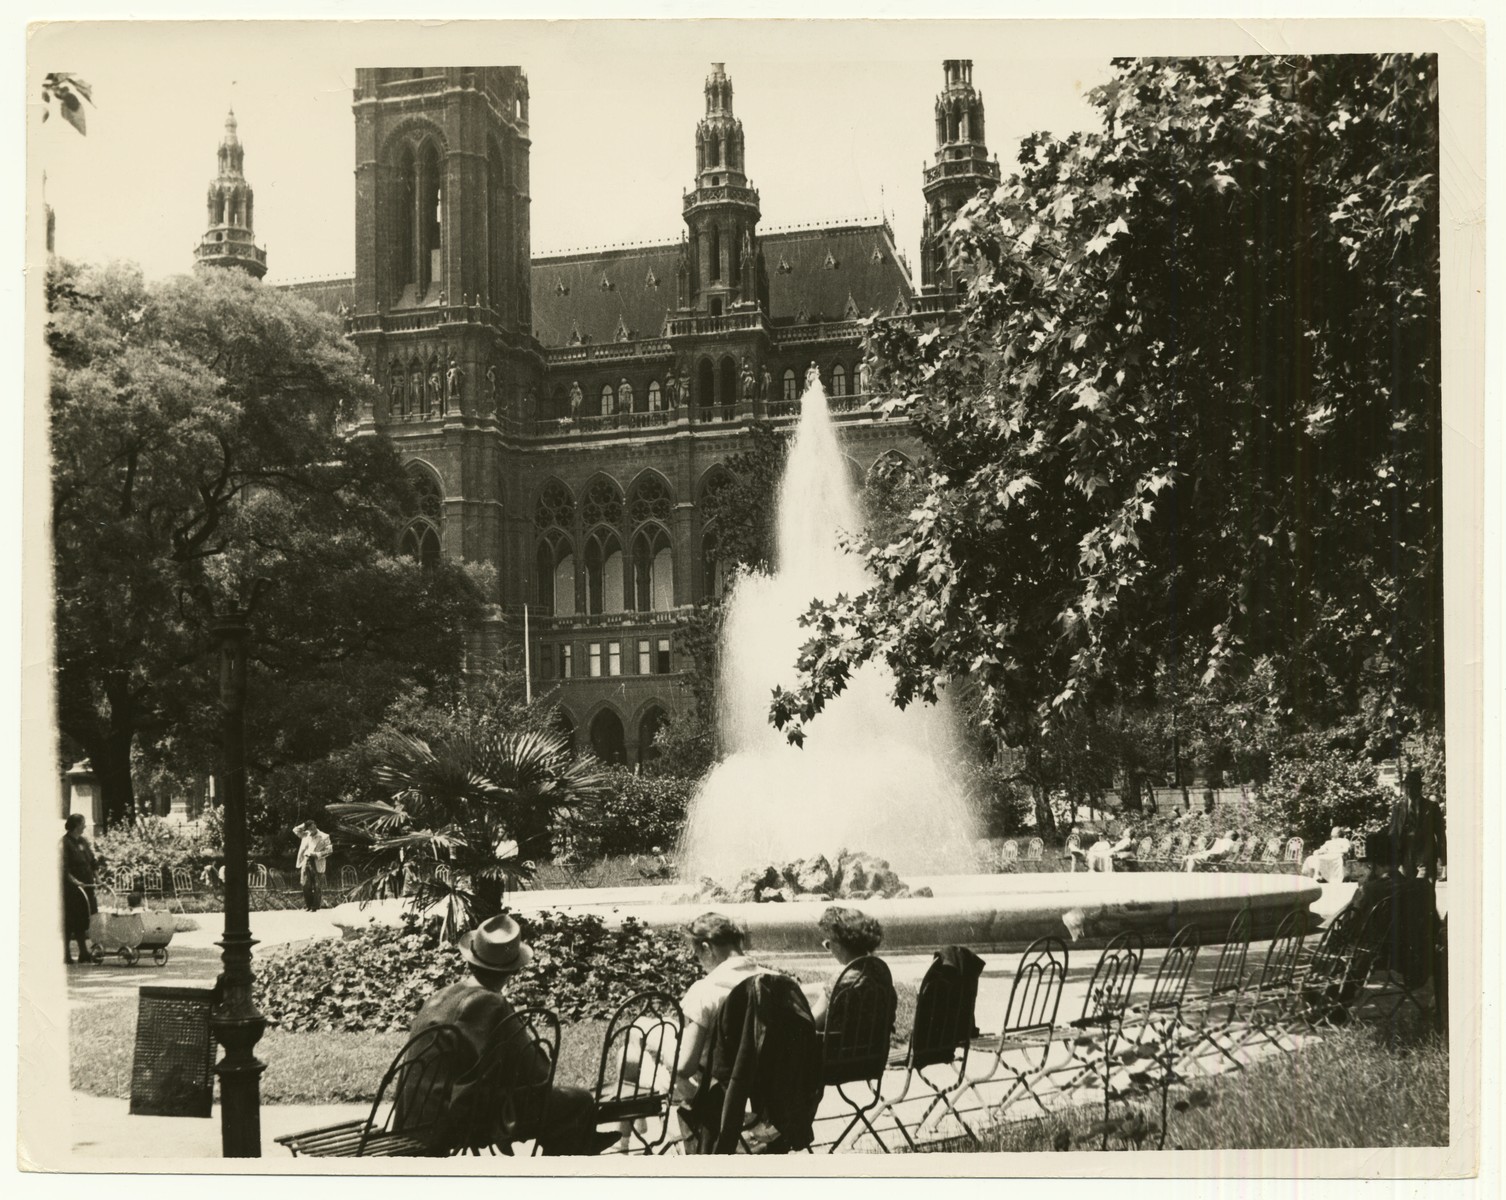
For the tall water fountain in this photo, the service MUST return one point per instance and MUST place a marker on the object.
(870, 776)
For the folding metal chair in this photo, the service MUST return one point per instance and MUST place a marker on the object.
(504, 1098)
(1272, 851)
(1210, 1015)
(939, 1041)
(349, 878)
(1022, 1047)
(1094, 1036)
(411, 1102)
(635, 1076)
(855, 1044)
(1294, 853)
(1267, 1014)
(1035, 850)
(1009, 853)
(1169, 989)
(1330, 979)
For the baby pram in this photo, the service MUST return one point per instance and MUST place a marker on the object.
(129, 933)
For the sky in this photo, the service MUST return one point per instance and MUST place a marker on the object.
(837, 118)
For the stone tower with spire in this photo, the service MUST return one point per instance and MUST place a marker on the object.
(962, 169)
(722, 211)
(230, 240)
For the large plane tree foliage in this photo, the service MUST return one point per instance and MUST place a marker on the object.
(199, 438)
(1185, 441)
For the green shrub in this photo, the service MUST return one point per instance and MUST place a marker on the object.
(377, 979)
(1319, 789)
(638, 814)
(152, 844)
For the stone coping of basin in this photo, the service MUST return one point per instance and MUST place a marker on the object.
(1002, 912)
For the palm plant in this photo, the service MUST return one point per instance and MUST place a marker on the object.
(466, 818)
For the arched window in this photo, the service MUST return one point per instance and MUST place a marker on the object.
(420, 539)
(839, 380)
(555, 575)
(556, 507)
(603, 503)
(655, 399)
(713, 570)
(791, 384)
(653, 570)
(705, 383)
(625, 397)
(429, 216)
(648, 729)
(608, 742)
(608, 400)
(406, 203)
(603, 573)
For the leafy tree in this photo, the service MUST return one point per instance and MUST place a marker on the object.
(1189, 421)
(199, 434)
(745, 509)
(464, 819)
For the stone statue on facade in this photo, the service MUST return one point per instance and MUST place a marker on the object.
(863, 377)
(685, 385)
(416, 392)
(491, 384)
(395, 390)
(436, 390)
(577, 398)
(748, 381)
(765, 384)
(454, 384)
(671, 391)
(812, 376)
(624, 396)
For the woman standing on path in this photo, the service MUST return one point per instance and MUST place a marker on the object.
(79, 903)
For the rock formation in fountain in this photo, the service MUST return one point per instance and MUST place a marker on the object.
(870, 777)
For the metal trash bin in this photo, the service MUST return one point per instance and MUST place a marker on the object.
(172, 1073)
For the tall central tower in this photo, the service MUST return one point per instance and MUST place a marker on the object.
(722, 211)
(962, 168)
(443, 299)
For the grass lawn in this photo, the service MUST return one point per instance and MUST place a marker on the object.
(1349, 1091)
(302, 1068)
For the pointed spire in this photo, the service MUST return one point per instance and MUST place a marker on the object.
(230, 240)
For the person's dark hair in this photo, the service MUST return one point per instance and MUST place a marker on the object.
(74, 821)
(135, 900)
(718, 930)
(858, 932)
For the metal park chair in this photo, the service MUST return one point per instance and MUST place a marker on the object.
(635, 1076)
(1293, 856)
(183, 886)
(1210, 1015)
(1266, 1014)
(939, 1043)
(1272, 850)
(411, 1104)
(1169, 989)
(1247, 850)
(1009, 853)
(1035, 850)
(504, 1098)
(1093, 1037)
(855, 1044)
(1022, 1048)
(350, 880)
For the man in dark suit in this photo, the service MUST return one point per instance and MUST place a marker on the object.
(494, 952)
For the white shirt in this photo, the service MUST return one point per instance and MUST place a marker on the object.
(316, 846)
(705, 997)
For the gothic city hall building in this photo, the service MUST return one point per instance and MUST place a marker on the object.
(566, 417)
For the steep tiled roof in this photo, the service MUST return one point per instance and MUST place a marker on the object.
(850, 270)
(594, 296)
(611, 295)
(829, 272)
(325, 294)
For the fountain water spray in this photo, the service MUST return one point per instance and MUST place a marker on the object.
(870, 776)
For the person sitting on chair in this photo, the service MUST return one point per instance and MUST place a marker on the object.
(1075, 852)
(494, 953)
(1326, 863)
(1222, 848)
(851, 938)
(135, 902)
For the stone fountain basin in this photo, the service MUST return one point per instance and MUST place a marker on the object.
(997, 912)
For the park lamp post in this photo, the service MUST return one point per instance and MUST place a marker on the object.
(236, 1023)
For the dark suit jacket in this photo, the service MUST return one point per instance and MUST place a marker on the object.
(477, 1014)
(762, 1054)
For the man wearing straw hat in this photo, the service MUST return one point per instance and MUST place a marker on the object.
(494, 953)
